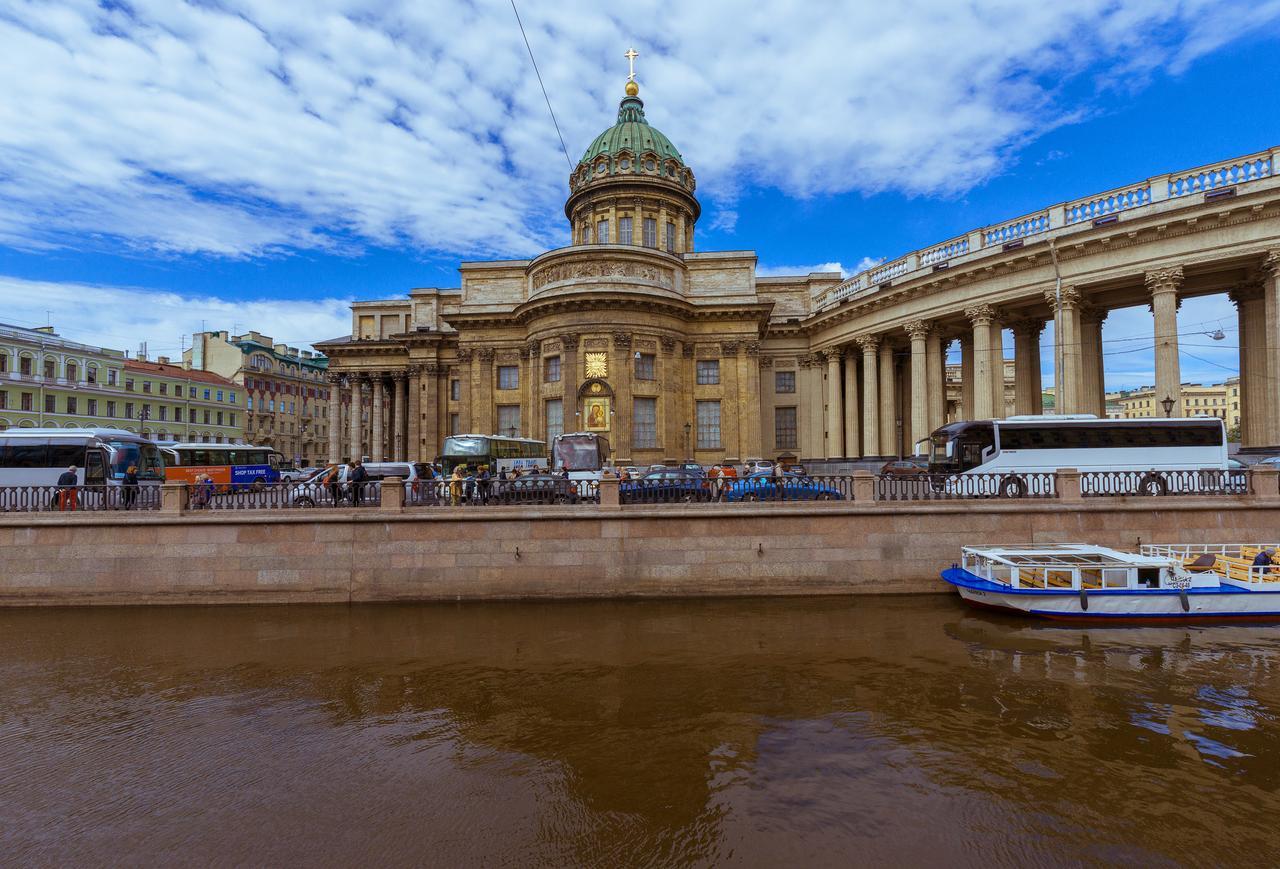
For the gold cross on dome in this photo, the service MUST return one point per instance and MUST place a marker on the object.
(631, 54)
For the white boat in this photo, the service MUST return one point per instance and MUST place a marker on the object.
(1160, 583)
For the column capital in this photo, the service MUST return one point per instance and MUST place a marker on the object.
(621, 339)
(1070, 298)
(1091, 314)
(569, 340)
(464, 354)
(981, 315)
(1271, 263)
(333, 376)
(399, 374)
(1027, 328)
(833, 355)
(1250, 290)
(431, 368)
(918, 329)
(728, 348)
(766, 361)
(812, 360)
(687, 350)
(485, 354)
(1163, 280)
(868, 343)
(751, 348)
(668, 344)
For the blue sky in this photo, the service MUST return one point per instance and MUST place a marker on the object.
(164, 164)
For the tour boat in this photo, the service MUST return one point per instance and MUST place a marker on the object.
(1157, 584)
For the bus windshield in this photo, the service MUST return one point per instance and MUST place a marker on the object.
(466, 446)
(580, 452)
(147, 458)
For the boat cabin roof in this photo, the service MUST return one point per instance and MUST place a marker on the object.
(1064, 555)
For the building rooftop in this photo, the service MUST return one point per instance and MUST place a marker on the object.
(166, 369)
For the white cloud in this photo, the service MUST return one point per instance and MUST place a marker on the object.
(768, 271)
(250, 125)
(121, 317)
(725, 220)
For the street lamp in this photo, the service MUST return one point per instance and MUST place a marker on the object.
(1167, 404)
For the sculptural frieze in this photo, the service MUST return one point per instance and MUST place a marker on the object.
(602, 269)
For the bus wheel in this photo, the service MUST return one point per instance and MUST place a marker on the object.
(1152, 485)
(1013, 487)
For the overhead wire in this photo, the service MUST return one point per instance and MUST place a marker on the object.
(538, 73)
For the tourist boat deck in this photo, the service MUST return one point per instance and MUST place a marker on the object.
(1160, 582)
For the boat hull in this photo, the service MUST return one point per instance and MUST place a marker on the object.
(1110, 605)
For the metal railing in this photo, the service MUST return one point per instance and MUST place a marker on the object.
(283, 496)
(530, 491)
(953, 487)
(53, 499)
(1114, 484)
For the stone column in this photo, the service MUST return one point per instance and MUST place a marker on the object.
(1094, 394)
(531, 416)
(815, 419)
(613, 222)
(997, 367)
(357, 424)
(870, 345)
(967, 381)
(466, 375)
(375, 412)
(835, 410)
(750, 404)
(673, 419)
(1163, 286)
(888, 399)
(414, 448)
(1252, 318)
(482, 420)
(1271, 369)
(981, 316)
(730, 416)
(935, 381)
(623, 367)
(569, 381)
(335, 416)
(919, 330)
(852, 407)
(398, 420)
(1026, 366)
(1068, 356)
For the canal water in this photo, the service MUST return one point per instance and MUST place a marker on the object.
(737, 732)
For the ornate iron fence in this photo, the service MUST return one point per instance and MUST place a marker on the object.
(1190, 481)
(954, 487)
(38, 499)
(283, 496)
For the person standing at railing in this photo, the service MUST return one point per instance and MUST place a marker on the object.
(332, 483)
(357, 477)
(129, 485)
(67, 496)
(455, 486)
(203, 493)
(482, 484)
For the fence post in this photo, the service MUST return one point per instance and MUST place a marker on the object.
(1264, 482)
(391, 495)
(174, 498)
(609, 492)
(1066, 481)
(864, 486)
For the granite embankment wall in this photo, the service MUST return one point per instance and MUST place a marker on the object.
(444, 554)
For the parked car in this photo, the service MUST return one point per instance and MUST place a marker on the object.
(663, 487)
(906, 467)
(787, 487)
(536, 489)
(311, 491)
(294, 475)
(692, 468)
(762, 466)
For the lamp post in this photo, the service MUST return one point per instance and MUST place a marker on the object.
(144, 414)
(1167, 404)
(897, 424)
(687, 428)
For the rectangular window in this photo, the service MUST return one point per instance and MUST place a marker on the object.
(219, 418)
(164, 413)
(455, 390)
(248, 403)
(508, 377)
(48, 369)
(193, 392)
(624, 230)
(509, 420)
(650, 232)
(164, 389)
(551, 369)
(602, 232)
(91, 407)
(784, 428)
(146, 386)
(4, 362)
(219, 395)
(128, 410)
(49, 405)
(24, 365)
(644, 366)
(27, 398)
(206, 417)
(111, 377)
(206, 395)
(555, 419)
(708, 372)
(232, 421)
(671, 238)
(4, 399)
(91, 375)
(231, 398)
(72, 404)
(708, 425)
(644, 427)
(784, 381)
(453, 424)
(111, 409)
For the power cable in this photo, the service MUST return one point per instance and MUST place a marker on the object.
(541, 85)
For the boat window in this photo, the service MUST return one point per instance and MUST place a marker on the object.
(1149, 577)
(1031, 577)
(1091, 577)
(1001, 573)
(1059, 579)
(1115, 578)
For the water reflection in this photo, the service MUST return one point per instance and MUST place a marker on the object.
(750, 731)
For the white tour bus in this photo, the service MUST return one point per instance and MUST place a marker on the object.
(38, 456)
(499, 453)
(583, 454)
(1030, 444)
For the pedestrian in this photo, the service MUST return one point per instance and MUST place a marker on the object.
(130, 487)
(356, 477)
(717, 482)
(482, 484)
(203, 493)
(332, 483)
(455, 486)
(67, 494)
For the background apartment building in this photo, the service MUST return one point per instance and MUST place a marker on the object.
(286, 404)
(171, 403)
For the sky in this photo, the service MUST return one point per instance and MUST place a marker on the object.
(168, 165)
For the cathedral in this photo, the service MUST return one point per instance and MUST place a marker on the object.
(630, 331)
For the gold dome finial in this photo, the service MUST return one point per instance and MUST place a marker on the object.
(632, 88)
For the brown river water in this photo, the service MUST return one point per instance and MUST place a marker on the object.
(785, 732)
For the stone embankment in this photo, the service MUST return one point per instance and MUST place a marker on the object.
(390, 554)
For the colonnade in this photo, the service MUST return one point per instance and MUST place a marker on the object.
(373, 415)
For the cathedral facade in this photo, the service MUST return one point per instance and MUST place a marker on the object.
(630, 331)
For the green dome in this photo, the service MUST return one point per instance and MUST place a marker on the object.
(632, 133)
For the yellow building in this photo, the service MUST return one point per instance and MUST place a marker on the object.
(171, 402)
(1218, 399)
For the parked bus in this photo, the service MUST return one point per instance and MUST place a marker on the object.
(38, 456)
(498, 452)
(234, 466)
(1028, 444)
(583, 454)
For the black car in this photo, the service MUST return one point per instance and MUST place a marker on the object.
(663, 487)
(535, 489)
